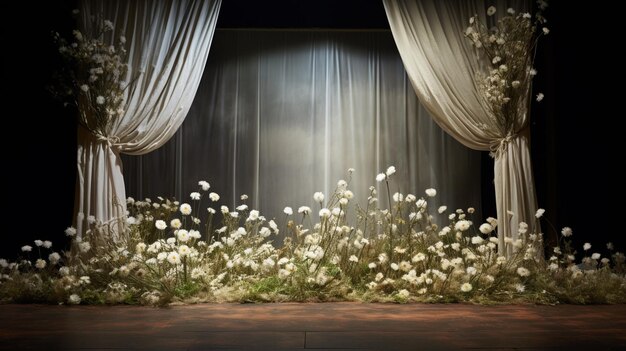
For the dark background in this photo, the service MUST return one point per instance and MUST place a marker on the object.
(576, 146)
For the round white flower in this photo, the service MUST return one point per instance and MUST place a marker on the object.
(431, 192)
(214, 197)
(318, 197)
(380, 177)
(462, 225)
(84, 88)
(485, 228)
(160, 224)
(27, 248)
(372, 265)
(545, 30)
(586, 246)
(54, 258)
(185, 209)
(74, 299)
(353, 258)
(100, 100)
(466, 287)
(70, 231)
(390, 171)
(523, 272)
(183, 235)
(288, 211)
(395, 266)
(491, 10)
(204, 185)
(175, 223)
(442, 209)
(183, 250)
(566, 231)
(324, 213)
(41, 264)
(476, 240)
(595, 256)
(404, 293)
(304, 210)
(254, 215)
(540, 97)
(540, 213)
(173, 257)
(195, 195)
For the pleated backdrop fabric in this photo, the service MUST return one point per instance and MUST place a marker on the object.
(281, 114)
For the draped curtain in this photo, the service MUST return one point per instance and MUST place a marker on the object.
(442, 66)
(280, 115)
(168, 43)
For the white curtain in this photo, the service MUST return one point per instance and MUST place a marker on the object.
(280, 115)
(442, 65)
(168, 43)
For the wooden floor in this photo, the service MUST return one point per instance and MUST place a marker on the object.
(324, 326)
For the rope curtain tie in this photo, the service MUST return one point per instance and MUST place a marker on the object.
(500, 145)
(111, 141)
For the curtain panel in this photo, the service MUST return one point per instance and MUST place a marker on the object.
(168, 44)
(442, 65)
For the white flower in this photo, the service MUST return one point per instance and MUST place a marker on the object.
(47, 244)
(398, 197)
(431, 192)
(395, 266)
(318, 197)
(41, 264)
(204, 185)
(533, 72)
(84, 246)
(485, 228)
(404, 293)
(477, 240)
(609, 246)
(234, 214)
(288, 211)
(183, 235)
(520, 288)
(545, 30)
(173, 257)
(566, 231)
(442, 209)
(380, 177)
(241, 207)
(523, 272)
(38, 242)
(274, 226)
(27, 248)
(304, 210)
(510, 10)
(70, 231)
(100, 100)
(74, 299)
(348, 195)
(185, 209)
(410, 198)
(418, 257)
(586, 246)
(195, 195)
(3, 263)
(108, 25)
(372, 265)
(160, 224)
(472, 20)
(421, 203)
(496, 59)
(183, 250)
(540, 97)
(175, 223)
(54, 258)
(462, 225)
(324, 213)
(353, 258)
(254, 215)
(491, 10)
(211, 210)
(540, 213)
(64, 271)
(595, 256)
(390, 171)
(84, 88)
(526, 15)
(466, 287)
(214, 197)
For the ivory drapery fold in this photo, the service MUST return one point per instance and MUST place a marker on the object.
(442, 66)
(168, 44)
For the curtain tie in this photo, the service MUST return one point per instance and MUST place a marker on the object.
(109, 140)
(500, 145)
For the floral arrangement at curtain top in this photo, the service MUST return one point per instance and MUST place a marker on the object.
(92, 76)
(509, 49)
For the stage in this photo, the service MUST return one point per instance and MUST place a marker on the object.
(321, 326)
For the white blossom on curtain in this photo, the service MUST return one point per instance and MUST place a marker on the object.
(167, 46)
(442, 67)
